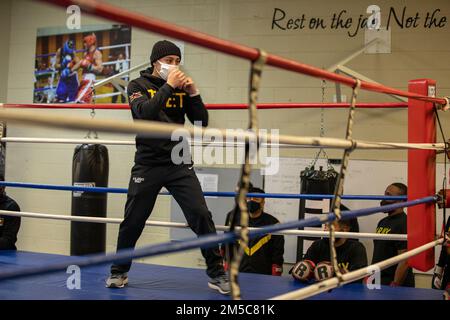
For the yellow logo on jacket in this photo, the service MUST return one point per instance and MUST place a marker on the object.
(383, 230)
(258, 245)
(343, 266)
(175, 101)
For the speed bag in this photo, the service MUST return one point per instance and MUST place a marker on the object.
(90, 168)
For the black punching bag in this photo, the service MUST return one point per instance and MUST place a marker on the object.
(314, 181)
(90, 168)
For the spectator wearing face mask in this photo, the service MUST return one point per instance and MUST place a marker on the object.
(165, 94)
(264, 254)
(394, 223)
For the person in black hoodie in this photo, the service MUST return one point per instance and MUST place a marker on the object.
(9, 225)
(264, 254)
(165, 94)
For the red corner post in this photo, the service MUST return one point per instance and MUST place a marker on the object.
(421, 173)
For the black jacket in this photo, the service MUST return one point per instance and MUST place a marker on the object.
(151, 98)
(263, 251)
(9, 226)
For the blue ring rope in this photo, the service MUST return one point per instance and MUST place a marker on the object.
(207, 193)
(199, 242)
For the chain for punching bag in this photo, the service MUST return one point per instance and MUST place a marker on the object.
(322, 132)
(88, 135)
(244, 181)
(313, 181)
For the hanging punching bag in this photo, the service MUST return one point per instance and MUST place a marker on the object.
(314, 181)
(90, 168)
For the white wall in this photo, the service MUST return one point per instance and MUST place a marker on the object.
(416, 53)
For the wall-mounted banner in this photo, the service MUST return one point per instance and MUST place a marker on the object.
(353, 22)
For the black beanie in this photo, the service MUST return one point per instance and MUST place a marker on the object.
(164, 48)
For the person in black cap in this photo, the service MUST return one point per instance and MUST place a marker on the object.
(166, 94)
(9, 225)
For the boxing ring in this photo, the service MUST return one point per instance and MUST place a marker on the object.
(47, 272)
(155, 282)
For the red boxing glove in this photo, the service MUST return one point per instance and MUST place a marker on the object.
(277, 270)
(85, 63)
(324, 270)
(303, 270)
(440, 201)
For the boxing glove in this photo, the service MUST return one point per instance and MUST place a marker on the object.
(65, 73)
(277, 270)
(67, 59)
(85, 64)
(436, 282)
(440, 201)
(303, 270)
(324, 270)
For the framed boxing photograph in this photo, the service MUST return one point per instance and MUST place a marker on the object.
(69, 66)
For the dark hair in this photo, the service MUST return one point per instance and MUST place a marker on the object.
(255, 190)
(350, 223)
(2, 176)
(402, 187)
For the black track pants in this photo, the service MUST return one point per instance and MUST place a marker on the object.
(181, 181)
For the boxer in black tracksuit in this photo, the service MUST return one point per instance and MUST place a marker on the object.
(152, 98)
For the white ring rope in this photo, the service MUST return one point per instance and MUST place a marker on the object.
(107, 95)
(332, 283)
(154, 223)
(120, 74)
(165, 130)
(225, 144)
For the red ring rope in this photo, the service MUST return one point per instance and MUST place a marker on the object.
(216, 106)
(118, 14)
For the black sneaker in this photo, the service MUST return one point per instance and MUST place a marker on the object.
(220, 283)
(117, 280)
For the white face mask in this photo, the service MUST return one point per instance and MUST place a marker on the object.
(166, 69)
